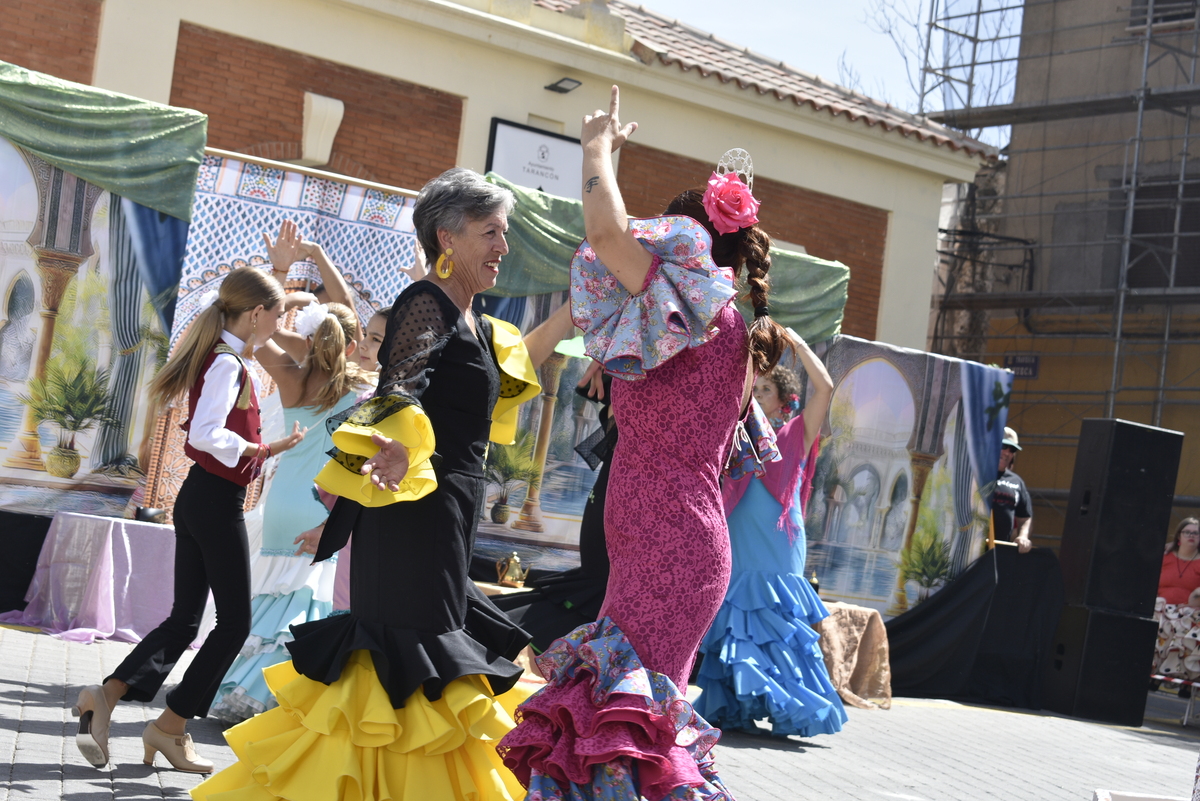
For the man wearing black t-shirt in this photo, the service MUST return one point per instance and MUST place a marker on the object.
(1012, 511)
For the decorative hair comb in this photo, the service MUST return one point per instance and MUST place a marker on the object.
(738, 161)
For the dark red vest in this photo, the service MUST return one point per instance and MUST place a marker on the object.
(243, 420)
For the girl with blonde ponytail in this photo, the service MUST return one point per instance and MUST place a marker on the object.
(241, 292)
(317, 376)
(211, 549)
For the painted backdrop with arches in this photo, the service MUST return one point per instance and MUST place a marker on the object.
(902, 489)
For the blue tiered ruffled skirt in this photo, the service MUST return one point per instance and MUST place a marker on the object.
(761, 658)
(287, 591)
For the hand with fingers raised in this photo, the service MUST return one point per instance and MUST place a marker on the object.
(604, 129)
(287, 248)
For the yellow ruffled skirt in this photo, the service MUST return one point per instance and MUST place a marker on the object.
(345, 741)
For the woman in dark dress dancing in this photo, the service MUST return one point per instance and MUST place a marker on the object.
(559, 602)
(396, 698)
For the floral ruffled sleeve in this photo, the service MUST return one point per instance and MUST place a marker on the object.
(417, 333)
(684, 292)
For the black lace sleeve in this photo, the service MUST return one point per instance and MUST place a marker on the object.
(416, 335)
(417, 332)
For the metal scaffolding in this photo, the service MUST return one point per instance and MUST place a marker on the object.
(1087, 230)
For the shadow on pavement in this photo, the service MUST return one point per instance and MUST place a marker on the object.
(79, 772)
(1162, 722)
(130, 791)
(32, 694)
(53, 727)
(766, 742)
(207, 731)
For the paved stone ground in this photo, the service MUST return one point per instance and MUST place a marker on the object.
(920, 750)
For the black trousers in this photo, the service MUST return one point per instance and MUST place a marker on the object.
(211, 552)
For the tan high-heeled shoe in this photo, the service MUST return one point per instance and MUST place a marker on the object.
(179, 750)
(94, 717)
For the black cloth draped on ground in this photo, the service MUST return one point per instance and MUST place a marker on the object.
(986, 636)
(21, 537)
(559, 603)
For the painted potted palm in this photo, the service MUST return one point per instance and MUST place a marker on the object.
(74, 397)
(509, 467)
(926, 561)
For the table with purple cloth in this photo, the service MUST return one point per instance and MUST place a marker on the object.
(102, 578)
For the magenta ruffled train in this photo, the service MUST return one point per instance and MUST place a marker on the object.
(606, 727)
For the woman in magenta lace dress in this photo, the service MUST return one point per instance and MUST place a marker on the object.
(654, 297)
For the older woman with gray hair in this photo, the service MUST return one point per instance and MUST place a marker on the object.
(397, 698)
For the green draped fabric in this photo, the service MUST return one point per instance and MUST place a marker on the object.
(543, 233)
(807, 294)
(147, 152)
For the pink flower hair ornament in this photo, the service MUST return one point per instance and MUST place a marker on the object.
(729, 204)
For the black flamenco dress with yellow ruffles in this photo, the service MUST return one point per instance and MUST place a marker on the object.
(397, 698)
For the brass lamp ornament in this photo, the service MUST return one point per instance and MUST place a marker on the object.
(509, 572)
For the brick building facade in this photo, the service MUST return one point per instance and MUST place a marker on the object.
(57, 37)
(393, 132)
(401, 132)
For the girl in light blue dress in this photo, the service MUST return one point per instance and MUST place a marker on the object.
(760, 658)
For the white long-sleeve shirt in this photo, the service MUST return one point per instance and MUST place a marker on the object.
(222, 384)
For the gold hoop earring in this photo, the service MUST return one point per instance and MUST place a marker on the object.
(444, 265)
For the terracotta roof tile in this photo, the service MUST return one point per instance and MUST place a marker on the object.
(673, 43)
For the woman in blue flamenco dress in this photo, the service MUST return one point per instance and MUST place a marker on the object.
(317, 377)
(761, 659)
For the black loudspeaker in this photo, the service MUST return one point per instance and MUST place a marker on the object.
(1099, 666)
(1118, 515)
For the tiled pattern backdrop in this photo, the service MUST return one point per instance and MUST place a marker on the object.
(367, 233)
